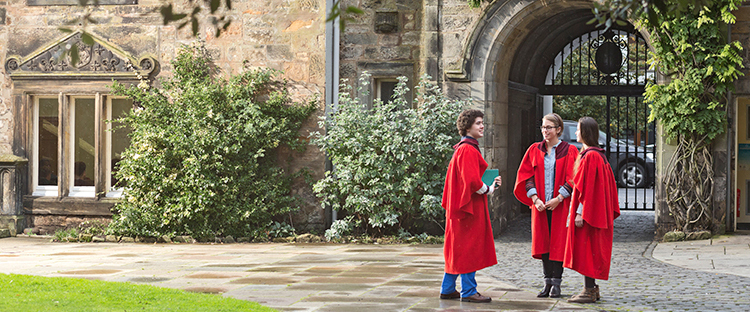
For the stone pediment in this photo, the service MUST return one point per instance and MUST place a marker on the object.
(98, 61)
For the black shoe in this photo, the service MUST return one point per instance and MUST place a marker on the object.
(555, 291)
(545, 291)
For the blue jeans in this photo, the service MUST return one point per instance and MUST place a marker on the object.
(468, 284)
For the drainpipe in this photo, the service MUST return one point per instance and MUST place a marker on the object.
(730, 151)
(731, 206)
(331, 86)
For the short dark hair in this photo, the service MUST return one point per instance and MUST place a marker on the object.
(466, 119)
(589, 131)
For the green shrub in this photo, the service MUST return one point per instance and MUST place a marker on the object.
(340, 228)
(93, 227)
(202, 158)
(280, 230)
(65, 235)
(389, 162)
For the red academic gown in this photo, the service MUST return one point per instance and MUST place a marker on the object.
(532, 165)
(589, 248)
(469, 244)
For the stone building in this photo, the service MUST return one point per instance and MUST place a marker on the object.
(57, 153)
(507, 56)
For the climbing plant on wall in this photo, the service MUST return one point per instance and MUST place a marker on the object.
(701, 64)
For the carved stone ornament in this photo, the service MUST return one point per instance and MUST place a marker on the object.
(386, 22)
(99, 60)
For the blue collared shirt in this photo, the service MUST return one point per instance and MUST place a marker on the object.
(549, 176)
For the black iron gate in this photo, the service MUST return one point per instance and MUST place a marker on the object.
(603, 74)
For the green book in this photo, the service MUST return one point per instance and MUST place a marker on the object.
(489, 176)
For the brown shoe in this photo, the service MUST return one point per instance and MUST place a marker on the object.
(588, 295)
(476, 298)
(454, 295)
(598, 296)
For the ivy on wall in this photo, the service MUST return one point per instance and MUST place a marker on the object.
(692, 50)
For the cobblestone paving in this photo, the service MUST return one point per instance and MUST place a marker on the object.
(637, 282)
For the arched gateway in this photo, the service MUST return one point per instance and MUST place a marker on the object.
(514, 61)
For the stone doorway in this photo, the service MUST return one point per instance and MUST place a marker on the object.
(506, 62)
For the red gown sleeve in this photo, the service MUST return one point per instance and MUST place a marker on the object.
(569, 168)
(463, 179)
(525, 171)
(468, 172)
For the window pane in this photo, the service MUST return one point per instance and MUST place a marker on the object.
(83, 141)
(47, 137)
(120, 139)
(387, 89)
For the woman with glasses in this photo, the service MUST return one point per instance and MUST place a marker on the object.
(544, 184)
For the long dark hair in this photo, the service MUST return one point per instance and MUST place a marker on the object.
(589, 131)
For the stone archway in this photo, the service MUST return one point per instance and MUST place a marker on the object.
(506, 61)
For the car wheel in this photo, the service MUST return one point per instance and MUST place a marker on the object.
(632, 174)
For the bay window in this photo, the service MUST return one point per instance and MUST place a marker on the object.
(75, 148)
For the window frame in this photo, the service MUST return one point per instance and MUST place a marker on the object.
(83, 191)
(102, 144)
(379, 87)
(111, 192)
(43, 190)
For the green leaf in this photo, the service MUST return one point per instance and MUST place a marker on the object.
(166, 13)
(73, 52)
(87, 39)
(354, 10)
(215, 5)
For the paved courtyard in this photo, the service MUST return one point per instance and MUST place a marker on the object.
(637, 281)
(288, 277)
(331, 277)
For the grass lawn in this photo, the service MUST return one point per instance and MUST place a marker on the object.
(34, 293)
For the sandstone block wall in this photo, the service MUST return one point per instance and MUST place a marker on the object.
(288, 35)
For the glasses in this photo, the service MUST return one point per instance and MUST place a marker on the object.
(548, 128)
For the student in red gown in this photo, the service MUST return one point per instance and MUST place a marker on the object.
(544, 184)
(593, 210)
(469, 243)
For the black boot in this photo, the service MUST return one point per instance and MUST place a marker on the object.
(555, 290)
(547, 287)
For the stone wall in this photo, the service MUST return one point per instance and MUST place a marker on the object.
(385, 41)
(288, 35)
(740, 31)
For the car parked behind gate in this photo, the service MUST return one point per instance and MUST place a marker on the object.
(632, 165)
